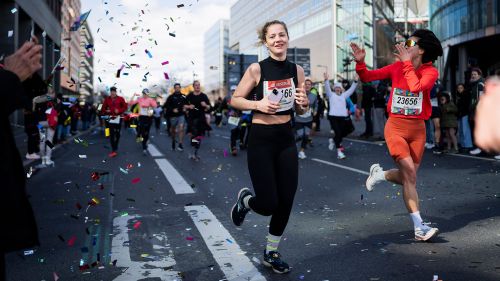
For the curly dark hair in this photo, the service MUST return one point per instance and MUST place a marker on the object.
(429, 43)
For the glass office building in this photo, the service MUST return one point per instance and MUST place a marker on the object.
(470, 35)
(216, 43)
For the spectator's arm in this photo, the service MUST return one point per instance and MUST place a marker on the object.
(366, 75)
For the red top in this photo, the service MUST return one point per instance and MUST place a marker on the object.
(110, 104)
(405, 77)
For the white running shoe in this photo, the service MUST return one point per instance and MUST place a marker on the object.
(425, 232)
(340, 154)
(429, 145)
(376, 176)
(475, 151)
(497, 157)
(302, 155)
(331, 145)
(32, 156)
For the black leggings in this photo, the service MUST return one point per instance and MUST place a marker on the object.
(197, 126)
(274, 167)
(337, 123)
(144, 127)
(114, 134)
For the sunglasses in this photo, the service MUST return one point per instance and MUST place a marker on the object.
(410, 43)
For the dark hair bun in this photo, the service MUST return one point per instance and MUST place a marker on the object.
(429, 43)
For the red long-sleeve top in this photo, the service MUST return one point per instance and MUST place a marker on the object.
(110, 104)
(405, 77)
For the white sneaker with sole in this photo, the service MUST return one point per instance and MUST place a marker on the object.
(331, 145)
(425, 232)
(376, 176)
(302, 155)
(32, 156)
(497, 157)
(475, 151)
(340, 154)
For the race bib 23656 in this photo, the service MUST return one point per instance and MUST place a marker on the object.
(406, 103)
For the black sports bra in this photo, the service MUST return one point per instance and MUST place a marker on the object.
(279, 80)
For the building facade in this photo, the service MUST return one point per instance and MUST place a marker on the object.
(470, 35)
(70, 48)
(20, 19)
(216, 44)
(86, 79)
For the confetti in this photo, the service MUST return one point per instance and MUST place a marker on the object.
(189, 238)
(56, 277)
(94, 201)
(72, 241)
(123, 170)
(14, 10)
(10, 33)
(171, 34)
(82, 156)
(180, 5)
(137, 225)
(148, 53)
(166, 75)
(136, 180)
(164, 63)
(124, 214)
(29, 252)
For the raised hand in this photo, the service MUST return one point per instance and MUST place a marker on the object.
(25, 61)
(358, 53)
(326, 76)
(402, 53)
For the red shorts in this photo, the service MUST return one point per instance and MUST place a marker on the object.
(405, 138)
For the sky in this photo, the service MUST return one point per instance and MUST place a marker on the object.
(124, 29)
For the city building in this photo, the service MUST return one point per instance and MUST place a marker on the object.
(470, 35)
(70, 48)
(86, 79)
(216, 44)
(309, 24)
(235, 66)
(20, 19)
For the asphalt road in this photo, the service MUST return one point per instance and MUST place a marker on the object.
(162, 216)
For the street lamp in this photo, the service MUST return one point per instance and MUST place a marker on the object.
(325, 66)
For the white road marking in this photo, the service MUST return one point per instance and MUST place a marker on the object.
(225, 137)
(341, 166)
(158, 265)
(378, 143)
(472, 157)
(226, 252)
(154, 151)
(175, 179)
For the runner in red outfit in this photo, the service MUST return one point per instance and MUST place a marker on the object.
(413, 77)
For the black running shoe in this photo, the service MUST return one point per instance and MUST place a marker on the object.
(239, 211)
(180, 147)
(273, 260)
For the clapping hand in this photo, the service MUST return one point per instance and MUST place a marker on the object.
(25, 61)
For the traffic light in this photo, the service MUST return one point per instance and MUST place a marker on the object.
(347, 61)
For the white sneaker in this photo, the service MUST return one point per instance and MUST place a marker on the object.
(331, 145)
(374, 177)
(32, 156)
(475, 151)
(49, 162)
(497, 157)
(340, 154)
(429, 145)
(302, 155)
(425, 232)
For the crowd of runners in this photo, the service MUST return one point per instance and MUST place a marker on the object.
(275, 111)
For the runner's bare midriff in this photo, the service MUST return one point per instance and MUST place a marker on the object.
(266, 119)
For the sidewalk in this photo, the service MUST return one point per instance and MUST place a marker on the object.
(21, 140)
